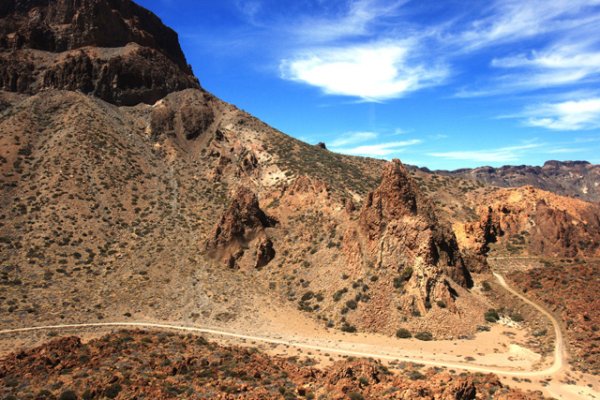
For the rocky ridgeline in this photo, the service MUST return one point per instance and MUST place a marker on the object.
(578, 179)
(115, 50)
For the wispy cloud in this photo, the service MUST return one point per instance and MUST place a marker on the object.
(372, 72)
(356, 20)
(352, 138)
(380, 149)
(512, 20)
(564, 116)
(564, 63)
(502, 154)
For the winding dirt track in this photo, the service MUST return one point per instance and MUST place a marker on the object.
(559, 359)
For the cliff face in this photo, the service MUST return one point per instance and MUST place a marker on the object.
(115, 50)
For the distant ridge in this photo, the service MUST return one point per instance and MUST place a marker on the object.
(579, 179)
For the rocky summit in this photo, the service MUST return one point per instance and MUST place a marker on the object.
(115, 50)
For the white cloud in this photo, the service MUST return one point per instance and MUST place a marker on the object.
(352, 138)
(439, 136)
(565, 116)
(400, 131)
(513, 20)
(502, 154)
(380, 149)
(564, 63)
(357, 20)
(371, 72)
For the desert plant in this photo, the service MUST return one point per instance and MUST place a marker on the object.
(351, 304)
(403, 333)
(517, 317)
(425, 336)
(355, 396)
(491, 315)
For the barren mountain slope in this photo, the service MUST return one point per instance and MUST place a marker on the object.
(188, 207)
(569, 288)
(105, 205)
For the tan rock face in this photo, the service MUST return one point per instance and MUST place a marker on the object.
(242, 227)
(127, 58)
(536, 222)
(400, 232)
(403, 232)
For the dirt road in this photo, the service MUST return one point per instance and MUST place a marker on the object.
(431, 361)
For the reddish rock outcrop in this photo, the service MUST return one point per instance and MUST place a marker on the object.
(160, 364)
(241, 227)
(185, 115)
(529, 220)
(115, 50)
(403, 232)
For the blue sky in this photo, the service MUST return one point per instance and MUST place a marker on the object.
(443, 84)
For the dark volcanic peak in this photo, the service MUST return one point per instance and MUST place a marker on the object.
(113, 49)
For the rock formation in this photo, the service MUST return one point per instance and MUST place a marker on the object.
(403, 230)
(60, 369)
(535, 222)
(242, 227)
(115, 50)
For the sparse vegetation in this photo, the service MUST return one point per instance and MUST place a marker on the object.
(492, 316)
(425, 336)
(403, 333)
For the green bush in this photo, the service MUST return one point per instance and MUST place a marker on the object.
(403, 277)
(338, 295)
(351, 304)
(403, 333)
(415, 375)
(426, 336)
(307, 296)
(491, 315)
(441, 304)
(540, 332)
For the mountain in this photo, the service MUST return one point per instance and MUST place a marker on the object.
(578, 179)
(128, 192)
(100, 187)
